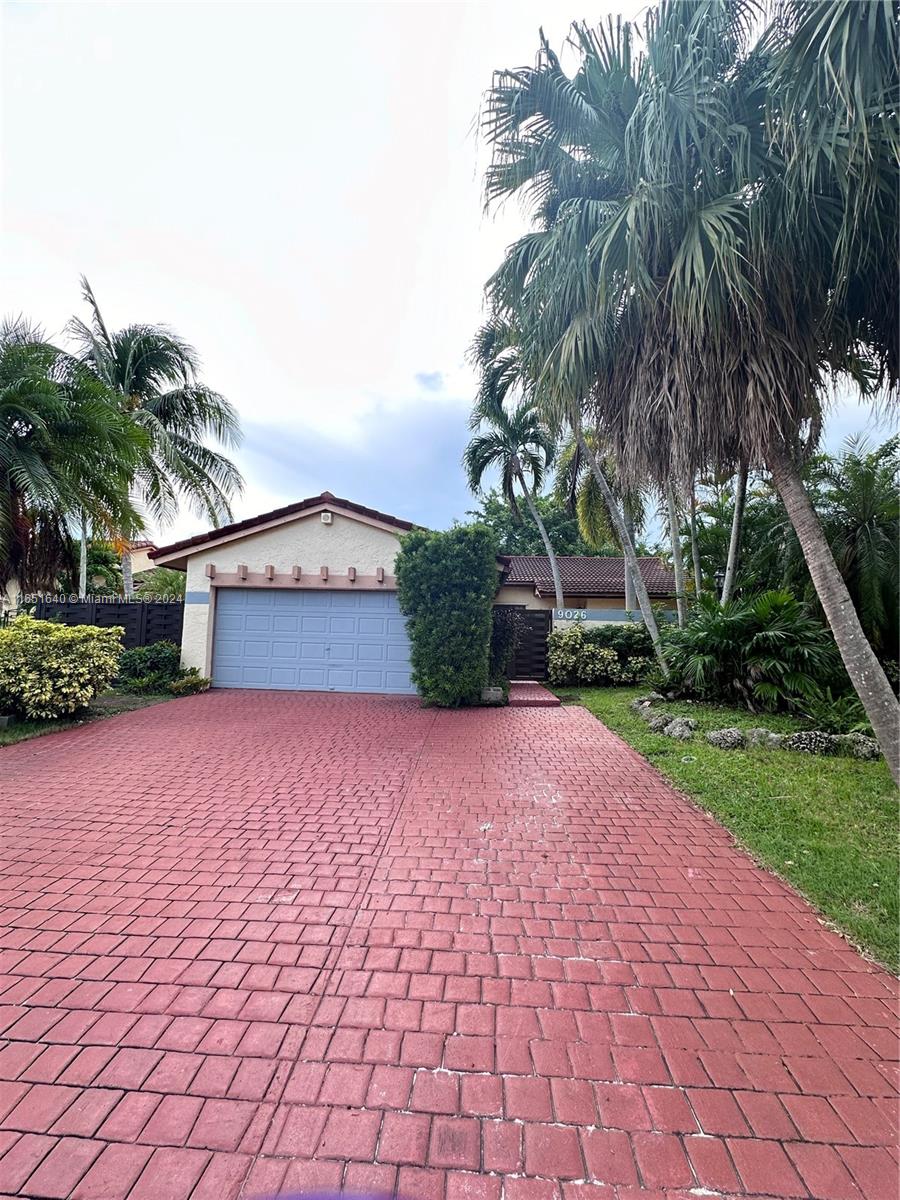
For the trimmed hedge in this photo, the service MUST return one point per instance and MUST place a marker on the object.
(48, 670)
(446, 584)
(608, 655)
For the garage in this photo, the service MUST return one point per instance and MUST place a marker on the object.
(338, 641)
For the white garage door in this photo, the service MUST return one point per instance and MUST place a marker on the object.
(333, 641)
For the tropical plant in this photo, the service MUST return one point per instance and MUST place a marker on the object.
(48, 670)
(765, 651)
(708, 253)
(102, 570)
(155, 373)
(861, 519)
(517, 444)
(576, 487)
(65, 448)
(160, 581)
(446, 584)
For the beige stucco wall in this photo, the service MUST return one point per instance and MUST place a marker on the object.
(525, 595)
(305, 542)
(141, 560)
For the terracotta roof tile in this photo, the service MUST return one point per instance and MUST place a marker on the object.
(586, 575)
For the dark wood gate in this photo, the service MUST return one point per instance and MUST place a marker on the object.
(530, 661)
(144, 624)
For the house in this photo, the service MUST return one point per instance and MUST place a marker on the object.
(304, 597)
(593, 586)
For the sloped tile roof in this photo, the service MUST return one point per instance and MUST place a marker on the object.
(586, 575)
(238, 528)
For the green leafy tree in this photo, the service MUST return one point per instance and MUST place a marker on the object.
(155, 373)
(713, 242)
(523, 537)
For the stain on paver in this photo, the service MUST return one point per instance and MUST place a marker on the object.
(255, 941)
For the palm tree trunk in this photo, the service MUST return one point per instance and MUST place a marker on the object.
(82, 559)
(627, 545)
(677, 559)
(628, 517)
(551, 554)
(737, 524)
(127, 574)
(865, 671)
(695, 545)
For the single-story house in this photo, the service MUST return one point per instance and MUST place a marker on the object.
(304, 597)
(593, 585)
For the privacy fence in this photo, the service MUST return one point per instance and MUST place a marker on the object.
(144, 623)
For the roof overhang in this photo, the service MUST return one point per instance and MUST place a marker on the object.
(177, 554)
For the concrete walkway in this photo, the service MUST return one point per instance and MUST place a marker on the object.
(253, 942)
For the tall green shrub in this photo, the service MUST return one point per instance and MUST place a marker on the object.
(446, 584)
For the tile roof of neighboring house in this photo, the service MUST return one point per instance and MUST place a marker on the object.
(586, 575)
(143, 545)
(248, 525)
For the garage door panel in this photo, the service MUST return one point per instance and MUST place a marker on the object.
(288, 639)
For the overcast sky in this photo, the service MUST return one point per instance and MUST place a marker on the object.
(293, 187)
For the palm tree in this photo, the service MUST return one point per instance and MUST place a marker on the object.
(519, 446)
(577, 488)
(677, 554)
(155, 373)
(734, 541)
(703, 265)
(499, 354)
(65, 448)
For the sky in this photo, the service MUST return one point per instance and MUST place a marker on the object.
(296, 189)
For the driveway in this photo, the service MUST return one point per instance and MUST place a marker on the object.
(258, 941)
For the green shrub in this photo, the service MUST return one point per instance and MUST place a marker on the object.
(764, 651)
(48, 670)
(446, 584)
(598, 654)
(188, 682)
(837, 714)
(159, 662)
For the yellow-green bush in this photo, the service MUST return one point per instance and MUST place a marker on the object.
(601, 655)
(48, 670)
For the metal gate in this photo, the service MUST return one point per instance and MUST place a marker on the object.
(530, 660)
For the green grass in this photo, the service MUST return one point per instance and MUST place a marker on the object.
(107, 705)
(828, 825)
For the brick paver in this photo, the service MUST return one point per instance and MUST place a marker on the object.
(262, 941)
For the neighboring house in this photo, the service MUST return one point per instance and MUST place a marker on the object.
(593, 586)
(140, 557)
(304, 597)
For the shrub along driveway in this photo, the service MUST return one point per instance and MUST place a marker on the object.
(263, 941)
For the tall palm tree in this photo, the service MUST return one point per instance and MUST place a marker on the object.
(577, 488)
(155, 373)
(734, 541)
(700, 267)
(505, 369)
(65, 448)
(517, 445)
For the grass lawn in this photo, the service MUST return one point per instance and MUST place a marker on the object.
(829, 825)
(107, 705)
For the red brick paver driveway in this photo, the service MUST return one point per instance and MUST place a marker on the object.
(261, 941)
